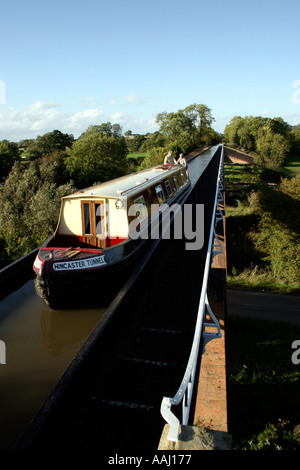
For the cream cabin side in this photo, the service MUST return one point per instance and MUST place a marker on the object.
(70, 218)
(97, 222)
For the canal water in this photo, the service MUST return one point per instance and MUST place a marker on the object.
(40, 344)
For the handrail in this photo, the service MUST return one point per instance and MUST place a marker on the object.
(185, 390)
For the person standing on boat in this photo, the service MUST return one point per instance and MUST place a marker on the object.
(169, 159)
(181, 160)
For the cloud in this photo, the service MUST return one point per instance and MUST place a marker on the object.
(78, 122)
(41, 117)
(131, 98)
(134, 99)
(292, 118)
(41, 106)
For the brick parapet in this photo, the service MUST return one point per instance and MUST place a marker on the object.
(211, 400)
(236, 156)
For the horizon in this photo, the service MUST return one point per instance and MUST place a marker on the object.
(66, 66)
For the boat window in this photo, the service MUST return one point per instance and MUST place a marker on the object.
(168, 188)
(141, 208)
(160, 194)
(182, 177)
(87, 220)
(98, 219)
(176, 182)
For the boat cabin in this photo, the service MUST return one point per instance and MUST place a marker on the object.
(99, 216)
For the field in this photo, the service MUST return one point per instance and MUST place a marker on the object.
(292, 165)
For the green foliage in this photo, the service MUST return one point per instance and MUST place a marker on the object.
(295, 141)
(187, 128)
(242, 132)
(134, 144)
(263, 230)
(105, 129)
(274, 437)
(153, 140)
(154, 157)
(271, 138)
(279, 229)
(29, 208)
(271, 146)
(48, 143)
(173, 124)
(9, 154)
(180, 131)
(95, 157)
(241, 250)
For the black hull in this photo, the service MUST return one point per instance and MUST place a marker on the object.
(76, 288)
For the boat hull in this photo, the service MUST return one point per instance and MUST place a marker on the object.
(63, 283)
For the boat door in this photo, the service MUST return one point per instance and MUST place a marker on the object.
(93, 227)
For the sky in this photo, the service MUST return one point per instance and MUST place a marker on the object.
(67, 65)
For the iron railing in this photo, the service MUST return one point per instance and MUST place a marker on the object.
(201, 336)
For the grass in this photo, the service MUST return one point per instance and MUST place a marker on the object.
(256, 279)
(292, 165)
(263, 385)
(235, 173)
(137, 155)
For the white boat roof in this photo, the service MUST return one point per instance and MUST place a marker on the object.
(114, 188)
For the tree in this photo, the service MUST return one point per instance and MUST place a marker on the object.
(204, 119)
(95, 157)
(272, 147)
(173, 124)
(48, 143)
(134, 143)
(105, 129)
(271, 138)
(295, 141)
(9, 154)
(231, 131)
(156, 139)
(29, 217)
(155, 156)
(186, 128)
(242, 132)
(279, 126)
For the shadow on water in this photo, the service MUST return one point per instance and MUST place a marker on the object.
(40, 344)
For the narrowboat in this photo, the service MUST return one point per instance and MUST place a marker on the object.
(102, 230)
